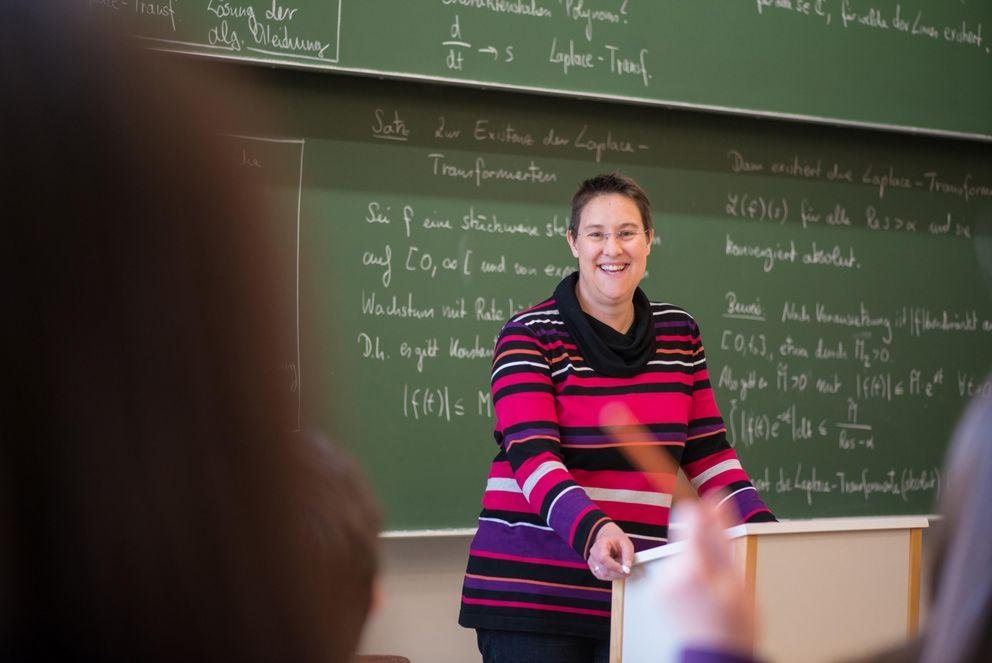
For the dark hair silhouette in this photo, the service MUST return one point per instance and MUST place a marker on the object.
(152, 506)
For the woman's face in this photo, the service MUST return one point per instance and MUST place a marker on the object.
(609, 268)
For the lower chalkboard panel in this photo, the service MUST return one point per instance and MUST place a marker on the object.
(837, 276)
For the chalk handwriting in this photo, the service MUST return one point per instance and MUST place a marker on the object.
(478, 172)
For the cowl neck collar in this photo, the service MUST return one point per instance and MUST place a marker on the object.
(604, 349)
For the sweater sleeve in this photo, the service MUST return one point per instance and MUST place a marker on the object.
(701, 655)
(527, 430)
(709, 462)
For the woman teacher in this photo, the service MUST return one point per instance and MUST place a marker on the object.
(564, 511)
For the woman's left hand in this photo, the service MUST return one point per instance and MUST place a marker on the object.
(612, 553)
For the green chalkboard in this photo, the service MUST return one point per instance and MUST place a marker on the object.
(837, 276)
(918, 65)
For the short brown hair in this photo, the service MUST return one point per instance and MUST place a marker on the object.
(604, 184)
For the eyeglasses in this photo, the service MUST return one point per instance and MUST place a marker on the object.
(598, 236)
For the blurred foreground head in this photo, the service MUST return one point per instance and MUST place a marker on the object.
(959, 626)
(152, 506)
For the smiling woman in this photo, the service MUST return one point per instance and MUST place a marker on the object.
(564, 510)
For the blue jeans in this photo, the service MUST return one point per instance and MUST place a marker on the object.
(521, 647)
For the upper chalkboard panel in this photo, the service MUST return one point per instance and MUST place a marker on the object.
(915, 65)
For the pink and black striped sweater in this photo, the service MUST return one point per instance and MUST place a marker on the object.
(559, 477)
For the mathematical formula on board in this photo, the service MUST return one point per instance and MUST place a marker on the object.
(801, 373)
(852, 358)
(580, 36)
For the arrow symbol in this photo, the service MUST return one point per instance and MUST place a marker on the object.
(491, 50)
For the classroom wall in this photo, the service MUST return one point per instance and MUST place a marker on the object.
(421, 588)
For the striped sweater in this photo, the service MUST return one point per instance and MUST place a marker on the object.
(559, 477)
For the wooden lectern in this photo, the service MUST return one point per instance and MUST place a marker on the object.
(824, 589)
